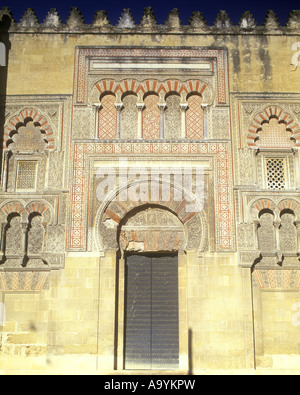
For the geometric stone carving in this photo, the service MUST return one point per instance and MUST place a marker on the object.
(274, 134)
(26, 175)
(246, 166)
(151, 118)
(273, 127)
(14, 237)
(152, 229)
(28, 138)
(288, 233)
(25, 235)
(246, 236)
(192, 225)
(56, 239)
(172, 118)
(266, 234)
(129, 117)
(219, 124)
(24, 281)
(36, 131)
(270, 279)
(276, 177)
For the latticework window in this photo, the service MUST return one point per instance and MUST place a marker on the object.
(26, 175)
(276, 178)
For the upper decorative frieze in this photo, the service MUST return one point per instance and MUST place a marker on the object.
(196, 24)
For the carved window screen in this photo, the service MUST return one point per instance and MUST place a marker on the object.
(26, 175)
(276, 173)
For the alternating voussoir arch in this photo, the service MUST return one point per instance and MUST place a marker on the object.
(24, 116)
(114, 209)
(141, 88)
(265, 116)
(260, 205)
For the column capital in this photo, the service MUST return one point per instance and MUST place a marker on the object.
(119, 106)
(140, 106)
(183, 106)
(162, 106)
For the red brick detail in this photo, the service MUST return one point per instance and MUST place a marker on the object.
(36, 207)
(265, 204)
(13, 207)
(113, 215)
(131, 85)
(289, 204)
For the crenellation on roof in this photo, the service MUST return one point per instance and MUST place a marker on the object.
(148, 23)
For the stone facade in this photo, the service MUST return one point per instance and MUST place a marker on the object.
(158, 139)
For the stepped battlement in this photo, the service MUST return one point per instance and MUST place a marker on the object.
(197, 23)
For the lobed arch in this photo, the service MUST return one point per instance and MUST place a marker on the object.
(22, 118)
(265, 116)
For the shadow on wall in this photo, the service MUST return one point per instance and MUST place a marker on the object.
(190, 340)
(5, 46)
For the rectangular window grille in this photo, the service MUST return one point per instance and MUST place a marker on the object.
(151, 313)
(276, 178)
(26, 175)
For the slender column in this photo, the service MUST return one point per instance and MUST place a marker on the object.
(183, 108)
(298, 236)
(204, 107)
(4, 172)
(97, 107)
(277, 240)
(140, 107)
(162, 107)
(119, 107)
